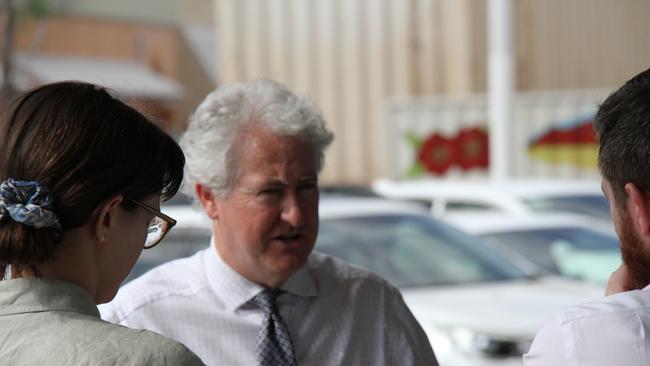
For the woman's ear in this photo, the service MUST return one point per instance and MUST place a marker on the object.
(208, 201)
(638, 207)
(105, 219)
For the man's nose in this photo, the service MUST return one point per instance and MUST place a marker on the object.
(292, 212)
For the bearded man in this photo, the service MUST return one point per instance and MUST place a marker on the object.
(613, 330)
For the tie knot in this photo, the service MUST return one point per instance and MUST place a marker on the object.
(265, 300)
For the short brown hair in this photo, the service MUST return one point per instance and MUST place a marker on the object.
(84, 146)
(623, 128)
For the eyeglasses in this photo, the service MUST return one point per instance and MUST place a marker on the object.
(159, 226)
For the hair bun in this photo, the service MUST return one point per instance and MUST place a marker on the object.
(28, 203)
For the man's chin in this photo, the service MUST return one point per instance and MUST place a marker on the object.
(635, 256)
(288, 264)
(292, 262)
(639, 275)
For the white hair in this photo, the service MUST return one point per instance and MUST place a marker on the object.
(213, 127)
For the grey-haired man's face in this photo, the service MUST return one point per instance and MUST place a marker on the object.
(266, 227)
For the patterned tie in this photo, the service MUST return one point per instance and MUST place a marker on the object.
(274, 347)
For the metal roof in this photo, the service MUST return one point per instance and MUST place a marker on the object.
(128, 78)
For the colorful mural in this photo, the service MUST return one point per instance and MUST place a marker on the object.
(572, 142)
(568, 142)
(550, 136)
(436, 153)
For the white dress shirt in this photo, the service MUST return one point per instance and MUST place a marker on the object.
(336, 314)
(610, 332)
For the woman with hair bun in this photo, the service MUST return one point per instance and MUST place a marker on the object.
(82, 176)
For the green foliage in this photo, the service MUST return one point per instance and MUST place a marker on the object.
(413, 140)
(416, 170)
(38, 8)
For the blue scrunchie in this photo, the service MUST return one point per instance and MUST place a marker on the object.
(27, 202)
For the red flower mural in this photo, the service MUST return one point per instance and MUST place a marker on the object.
(437, 154)
(473, 149)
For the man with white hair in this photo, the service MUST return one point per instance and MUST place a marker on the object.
(258, 295)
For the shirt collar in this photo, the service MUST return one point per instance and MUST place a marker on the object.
(23, 295)
(235, 290)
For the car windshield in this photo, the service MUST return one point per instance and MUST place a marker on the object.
(591, 205)
(413, 250)
(572, 251)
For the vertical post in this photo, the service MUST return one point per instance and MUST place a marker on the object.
(7, 89)
(501, 82)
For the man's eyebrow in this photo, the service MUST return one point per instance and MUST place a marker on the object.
(310, 178)
(273, 182)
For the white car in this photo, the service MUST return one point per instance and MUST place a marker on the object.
(516, 197)
(562, 244)
(477, 308)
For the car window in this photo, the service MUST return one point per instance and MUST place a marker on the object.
(573, 252)
(426, 203)
(591, 205)
(469, 206)
(413, 250)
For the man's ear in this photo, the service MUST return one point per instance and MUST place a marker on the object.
(106, 218)
(638, 207)
(208, 201)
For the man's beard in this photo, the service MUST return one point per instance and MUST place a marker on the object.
(635, 256)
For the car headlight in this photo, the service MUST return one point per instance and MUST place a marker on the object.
(469, 341)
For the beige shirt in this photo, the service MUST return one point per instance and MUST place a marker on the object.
(49, 322)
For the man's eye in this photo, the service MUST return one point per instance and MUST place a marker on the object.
(271, 191)
(309, 185)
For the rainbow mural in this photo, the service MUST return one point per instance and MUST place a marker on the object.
(570, 142)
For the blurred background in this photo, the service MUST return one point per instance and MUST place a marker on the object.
(464, 165)
(403, 83)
